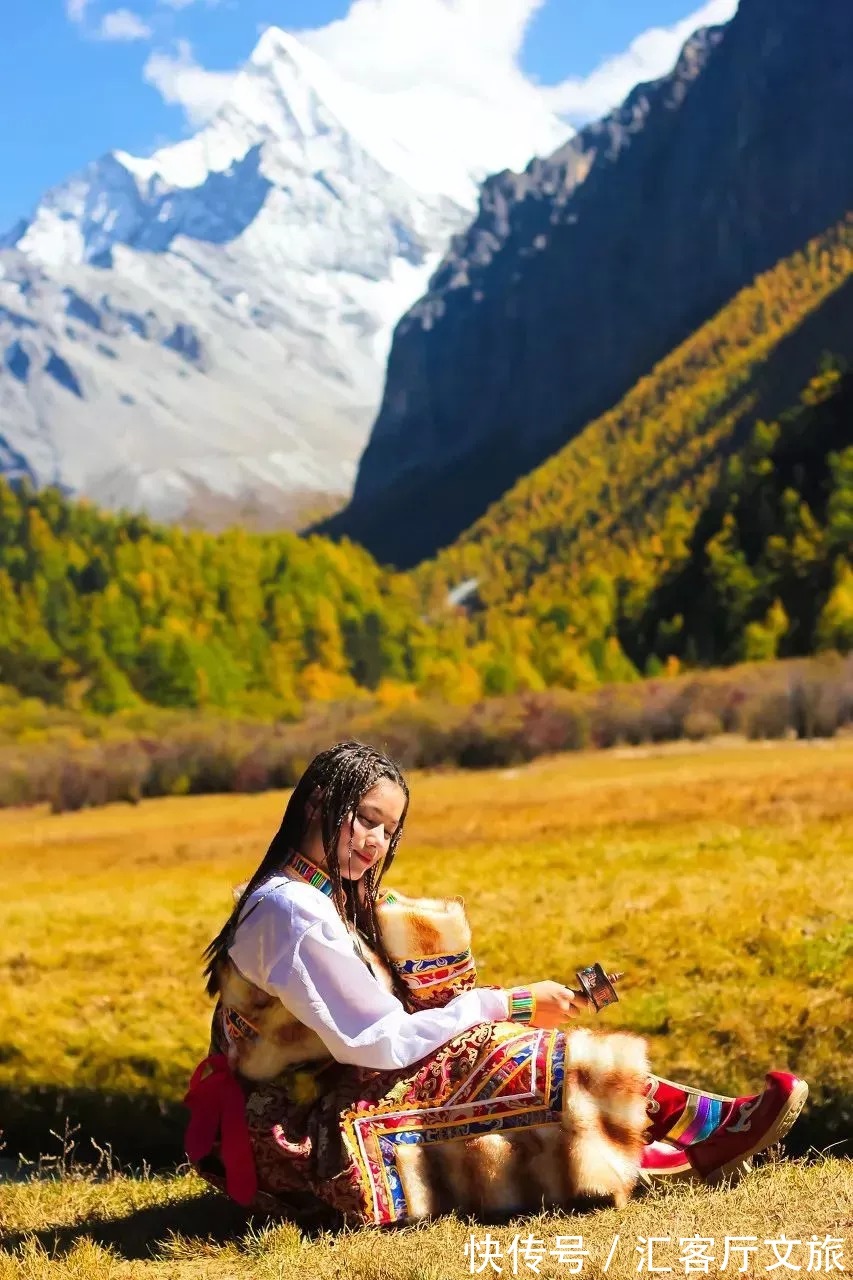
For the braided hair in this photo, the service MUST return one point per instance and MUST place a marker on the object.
(342, 775)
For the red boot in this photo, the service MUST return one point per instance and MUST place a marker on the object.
(718, 1134)
(753, 1125)
(662, 1163)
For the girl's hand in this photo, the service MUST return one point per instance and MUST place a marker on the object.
(556, 1004)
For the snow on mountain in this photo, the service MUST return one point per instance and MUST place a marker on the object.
(203, 333)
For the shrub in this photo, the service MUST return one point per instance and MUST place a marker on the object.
(701, 724)
(71, 762)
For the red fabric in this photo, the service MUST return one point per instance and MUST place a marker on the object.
(668, 1105)
(218, 1111)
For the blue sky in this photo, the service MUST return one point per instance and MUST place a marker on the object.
(81, 77)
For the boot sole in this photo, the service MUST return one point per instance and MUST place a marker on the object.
(776, 1133)
(737, 1169)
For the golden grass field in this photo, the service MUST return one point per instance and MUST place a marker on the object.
(718, 877)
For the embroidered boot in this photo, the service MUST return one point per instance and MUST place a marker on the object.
(719, 1133)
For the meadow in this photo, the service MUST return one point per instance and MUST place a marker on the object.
(717, 876)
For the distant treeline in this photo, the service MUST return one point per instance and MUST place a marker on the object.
(705, 520)
(73, 761)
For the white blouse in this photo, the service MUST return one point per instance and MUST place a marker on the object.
(295, 946)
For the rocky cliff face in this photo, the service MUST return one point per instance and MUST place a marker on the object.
(580, 273)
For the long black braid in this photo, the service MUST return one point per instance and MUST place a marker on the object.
(341, 775)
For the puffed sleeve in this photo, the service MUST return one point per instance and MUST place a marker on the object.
(308, 960)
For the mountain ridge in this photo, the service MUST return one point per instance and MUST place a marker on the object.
(577, 276)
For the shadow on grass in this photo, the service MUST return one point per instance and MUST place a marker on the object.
(209, 1218)
(142, 1130)
(139, 1129)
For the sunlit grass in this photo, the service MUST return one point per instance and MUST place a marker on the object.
(719, 879)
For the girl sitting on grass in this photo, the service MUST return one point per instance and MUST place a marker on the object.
(355, 1062)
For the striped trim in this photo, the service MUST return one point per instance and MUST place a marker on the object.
(699, 1119)
(311, 874)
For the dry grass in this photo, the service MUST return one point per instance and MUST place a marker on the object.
(718, 879)
(161, 1228)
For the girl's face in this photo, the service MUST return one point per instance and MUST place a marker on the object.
(376, 818)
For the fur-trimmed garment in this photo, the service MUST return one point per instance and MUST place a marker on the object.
(501, 1118)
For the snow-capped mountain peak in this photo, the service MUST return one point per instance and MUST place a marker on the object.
(208, 326)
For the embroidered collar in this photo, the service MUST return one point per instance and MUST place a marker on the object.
(302, 869)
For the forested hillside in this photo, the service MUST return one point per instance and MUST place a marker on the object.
(724, 476)
(107, 611)
(769, 570)
(575, 554)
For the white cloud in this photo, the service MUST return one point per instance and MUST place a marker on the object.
(76, 9)
(448, 74)
(450, 71)
(650, 55)
(182, 82)
(470, 44)
(122, 24)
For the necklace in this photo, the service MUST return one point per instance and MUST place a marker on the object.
(310, 873)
